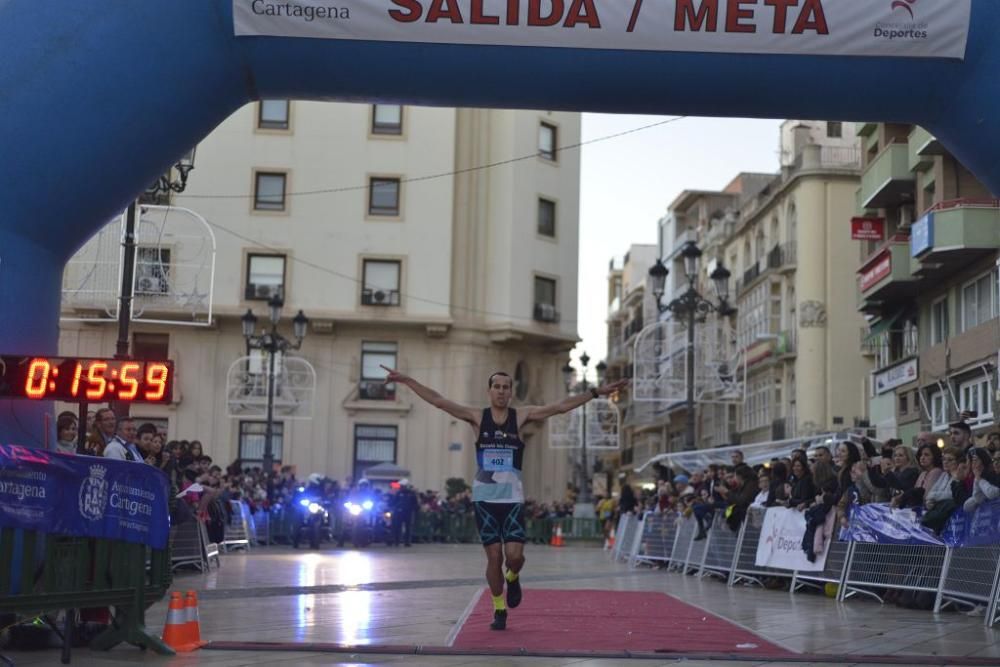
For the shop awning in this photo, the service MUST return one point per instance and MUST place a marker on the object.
(883, 325)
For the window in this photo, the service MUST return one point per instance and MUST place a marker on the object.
(272, 115)
(979, 301)
(383, 196)
(269, 191)
(265, 276)
(387, 119)
(380, 283)
(939, 321)
(974, 396)
(373, 356)
(373, 444)
(834, 129)
(152, 270)
(904, 403)
(545, 300)
(252, 435)
(546, 217)
(939, 411)
(150, 346)
(548, 146)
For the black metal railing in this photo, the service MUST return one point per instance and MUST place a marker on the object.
(546, 312)
(379, 297)
(376, 390)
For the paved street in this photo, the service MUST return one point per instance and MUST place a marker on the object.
(416, 597)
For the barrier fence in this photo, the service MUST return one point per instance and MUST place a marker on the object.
(959, 576)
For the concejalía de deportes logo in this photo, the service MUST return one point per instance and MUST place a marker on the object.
(911, 30)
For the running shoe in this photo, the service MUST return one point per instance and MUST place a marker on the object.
(499, 620)
(514, 593)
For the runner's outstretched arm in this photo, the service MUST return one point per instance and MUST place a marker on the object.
(462, 412)
(542, 412)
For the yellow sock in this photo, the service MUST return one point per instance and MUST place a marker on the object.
(498, 602)
(511, 575)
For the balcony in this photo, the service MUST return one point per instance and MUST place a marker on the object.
(885, 276)
(949, 235)
(891, 346)
(922, 147)
(782, 257)
(632, 328)
(750, 275)
(785, 345)
(255, 292)
(888, 177)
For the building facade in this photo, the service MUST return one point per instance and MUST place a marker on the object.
(386, 227)
(791, 255)
(929, 284)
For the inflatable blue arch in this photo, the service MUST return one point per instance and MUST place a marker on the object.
(98, 97)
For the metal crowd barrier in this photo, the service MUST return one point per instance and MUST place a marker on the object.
(237, 528)
(873, 567)
(628, 526)
(956, 576)
(656, 539)
(745, 569)
(832, 573)
(721, 547)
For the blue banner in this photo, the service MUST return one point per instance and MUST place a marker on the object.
(883, 524)
(83, 495)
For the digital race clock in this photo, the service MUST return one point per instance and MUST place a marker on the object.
(86, 380)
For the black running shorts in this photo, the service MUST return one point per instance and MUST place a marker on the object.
(500, 522)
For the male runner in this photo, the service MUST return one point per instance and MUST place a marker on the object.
(497, 492)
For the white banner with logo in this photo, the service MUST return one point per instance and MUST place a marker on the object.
(895, 28)
(781, 540)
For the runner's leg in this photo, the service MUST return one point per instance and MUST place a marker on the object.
(494, 568)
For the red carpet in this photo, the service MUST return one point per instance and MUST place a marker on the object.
(595, 620)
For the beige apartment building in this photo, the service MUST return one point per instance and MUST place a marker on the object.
(929, 285)
(379, 224)
(797, 323)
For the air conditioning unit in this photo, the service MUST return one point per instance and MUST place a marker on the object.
(379, 296)
(264, 291)
(150, 285)
(546, 312)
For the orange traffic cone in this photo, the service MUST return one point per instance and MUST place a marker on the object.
(557, 537)
(609, 543)
(193, 624)
(175, 629)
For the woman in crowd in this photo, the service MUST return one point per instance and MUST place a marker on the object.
(764, 486)
(778, 494)
(196, 449)
(929, 460)
(948, 493)
(986, 483)
(901, 477)
(803, 491)
(67, 431)
(831, 495)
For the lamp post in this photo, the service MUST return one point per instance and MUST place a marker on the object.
(584, 501)
(691, 305)
(272, 342)
(164, 184)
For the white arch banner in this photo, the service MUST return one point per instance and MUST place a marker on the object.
(603, 427)
(247, 385)
(901, 28)
(660, 358)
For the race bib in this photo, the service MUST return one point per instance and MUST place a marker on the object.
(498, 460)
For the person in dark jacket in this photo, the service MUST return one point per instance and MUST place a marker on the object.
(627, 502)
(743, 497)
(404, 510)
(803, 491)
(901, 478)
(777, 494)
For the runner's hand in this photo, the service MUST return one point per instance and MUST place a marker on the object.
(394, 375)
(608, 389)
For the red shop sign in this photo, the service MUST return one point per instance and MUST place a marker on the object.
(876, 270)
(867, 229)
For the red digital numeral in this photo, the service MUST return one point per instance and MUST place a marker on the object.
(157, 376)
(95, 376)
(75, 387)
(131, 385)
(38, 378)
